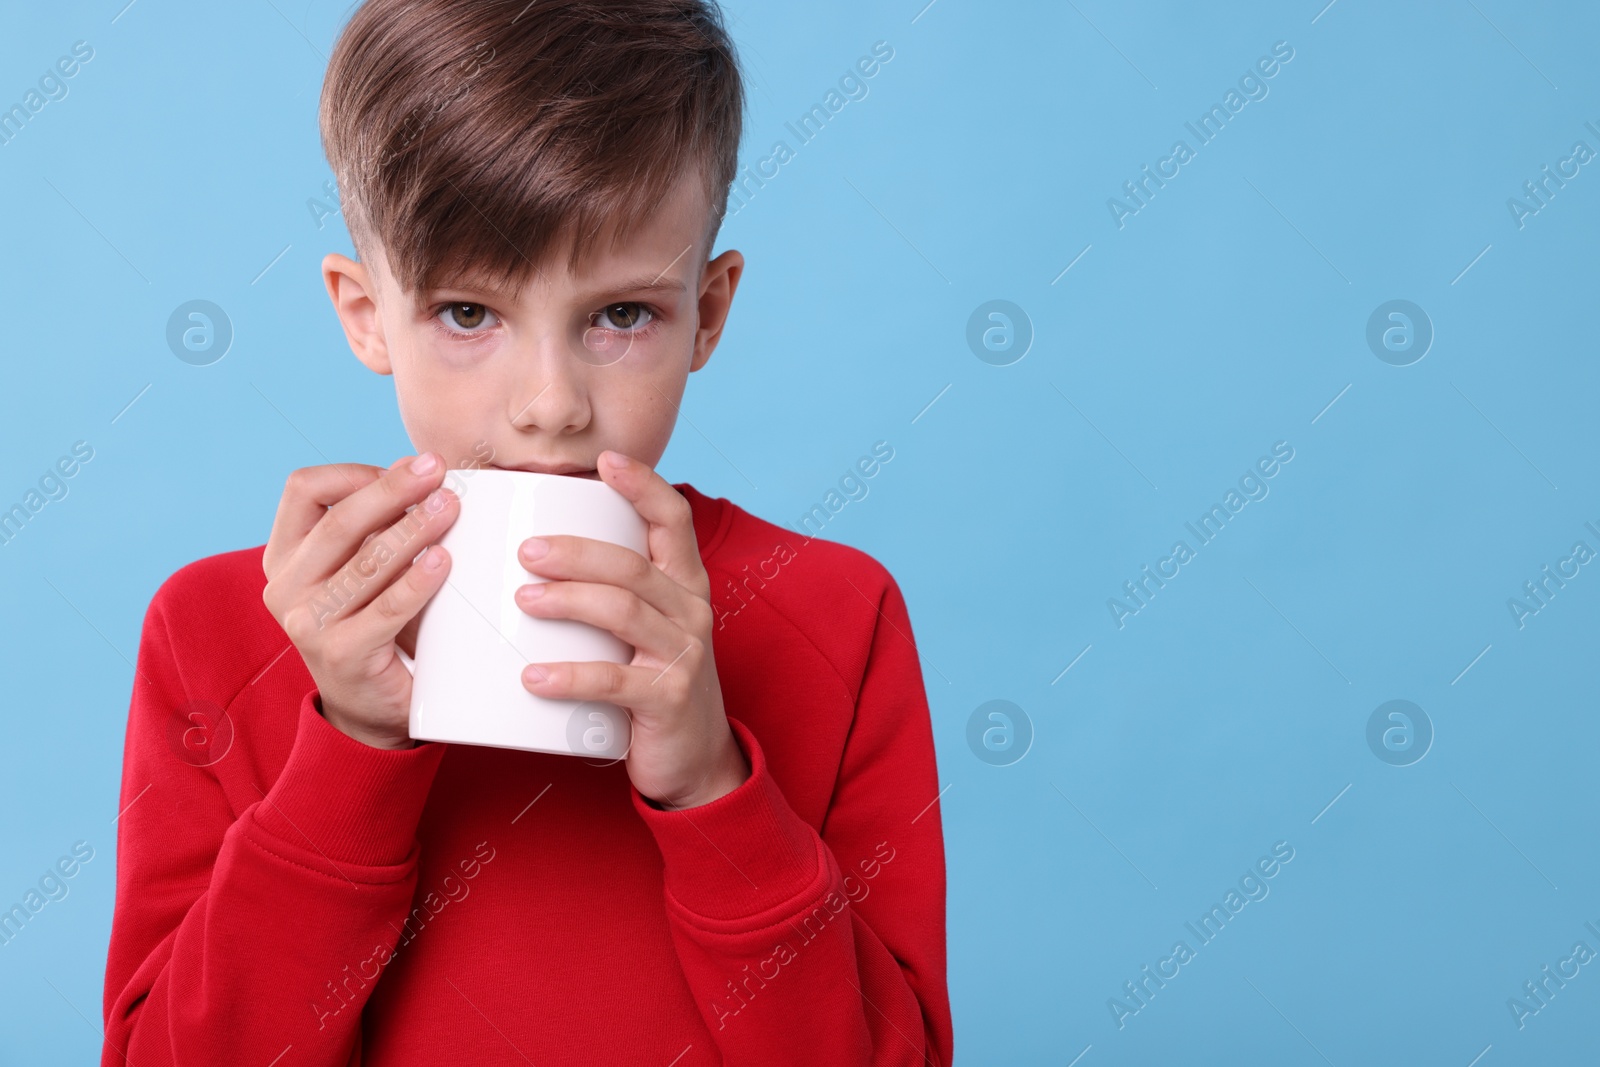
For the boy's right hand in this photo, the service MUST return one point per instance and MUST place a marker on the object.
(342, 584)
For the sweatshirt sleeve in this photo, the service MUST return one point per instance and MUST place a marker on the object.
(805, 948)
(235, 939)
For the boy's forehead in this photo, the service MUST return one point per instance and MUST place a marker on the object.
(661, 253)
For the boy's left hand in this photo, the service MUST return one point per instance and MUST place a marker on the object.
(683, 752)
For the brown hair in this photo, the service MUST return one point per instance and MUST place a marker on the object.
(471, 138)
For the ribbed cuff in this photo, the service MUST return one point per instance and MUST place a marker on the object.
(345, 800)
(742, 853)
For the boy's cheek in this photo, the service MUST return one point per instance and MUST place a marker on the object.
(426, 352)
(450, 407)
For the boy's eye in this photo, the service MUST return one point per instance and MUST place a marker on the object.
(464, 318)
(626, 316)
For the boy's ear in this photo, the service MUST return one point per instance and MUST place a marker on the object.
(353, 291)
(717, 285)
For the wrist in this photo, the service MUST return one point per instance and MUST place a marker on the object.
(729, 770)
(354, 730)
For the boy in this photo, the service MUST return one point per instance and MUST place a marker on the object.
(533, 190)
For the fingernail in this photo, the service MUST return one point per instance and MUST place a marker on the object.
(425, 463)
(532, 592)
(535, 548)
(434, 501)
(431, 558)
(616, 460)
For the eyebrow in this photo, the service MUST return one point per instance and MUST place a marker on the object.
(642, 285)
(657, 284)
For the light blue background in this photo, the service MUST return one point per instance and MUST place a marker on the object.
(1223, 317)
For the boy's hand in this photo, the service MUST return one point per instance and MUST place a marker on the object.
(683, 752)
(341, 583)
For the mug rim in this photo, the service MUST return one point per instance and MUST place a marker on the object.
(471, 471)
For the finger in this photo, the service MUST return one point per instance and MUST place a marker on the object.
(396, 465)
(341, 530)
(640, 689)
(307, 495)
(386, 554)
(610, 608)
(400, 602)
(673, 547)
(569, 557)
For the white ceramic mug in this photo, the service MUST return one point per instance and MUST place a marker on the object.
(473, 641)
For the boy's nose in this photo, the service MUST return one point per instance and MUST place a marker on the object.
(552, 395)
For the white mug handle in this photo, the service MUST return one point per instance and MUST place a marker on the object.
(410, 664)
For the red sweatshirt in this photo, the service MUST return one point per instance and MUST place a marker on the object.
(289, 896)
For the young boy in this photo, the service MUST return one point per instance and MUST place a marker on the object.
(533, 190)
